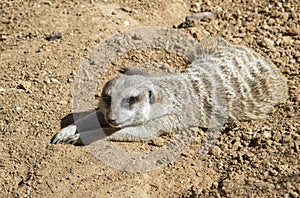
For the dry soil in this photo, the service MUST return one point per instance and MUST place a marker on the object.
(249, 159)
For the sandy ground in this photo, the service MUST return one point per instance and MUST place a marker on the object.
(249, 159)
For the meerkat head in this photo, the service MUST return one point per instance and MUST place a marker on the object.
(128, 100)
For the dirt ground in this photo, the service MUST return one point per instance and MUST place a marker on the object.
(249, 159)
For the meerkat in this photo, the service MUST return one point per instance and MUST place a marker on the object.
(225, 82)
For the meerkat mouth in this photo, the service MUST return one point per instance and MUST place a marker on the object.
(114, 125)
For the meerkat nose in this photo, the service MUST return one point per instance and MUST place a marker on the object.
(112, 120)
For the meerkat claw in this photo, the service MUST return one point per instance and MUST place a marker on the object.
(67, 135)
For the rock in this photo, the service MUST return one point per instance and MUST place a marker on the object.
(236, 145)
(203, 16)
(267, 134)
(286, 138)
(254, 142)
(19, 109)
(47, 81)
(268, 43)
(193, 21)
(293, 31)
(216, 151)
(3, 37)
(62, 102)
(158, 141)
(186, 154)
(126, 23)
(2, 89)
(126, 9)
(286, 40)
(54, 36)
(195, 7)
(24, 85)
(54, 80)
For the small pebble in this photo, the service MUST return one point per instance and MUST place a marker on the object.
(293, 31)
(216, 151)
(203, 15)
(158, 141)
(268, 43)
(267, 134)
(48, 2)
(286, 40)
(47, 81)
(19, 109)
(54, 36)
(24, 85)
(54, 80)
(186, 154)
(126, 9)
(126, 23)
(254, 142)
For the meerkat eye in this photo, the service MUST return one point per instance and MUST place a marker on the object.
(131, 100)
(106, 99)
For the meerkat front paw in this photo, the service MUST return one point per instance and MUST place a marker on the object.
(67, 135)
(132, 134)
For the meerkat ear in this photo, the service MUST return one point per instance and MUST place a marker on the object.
(151, 98)
(133, 71)
(154, 97)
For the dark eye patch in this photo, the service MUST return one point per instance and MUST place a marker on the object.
(131, 100)
(106, 99)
